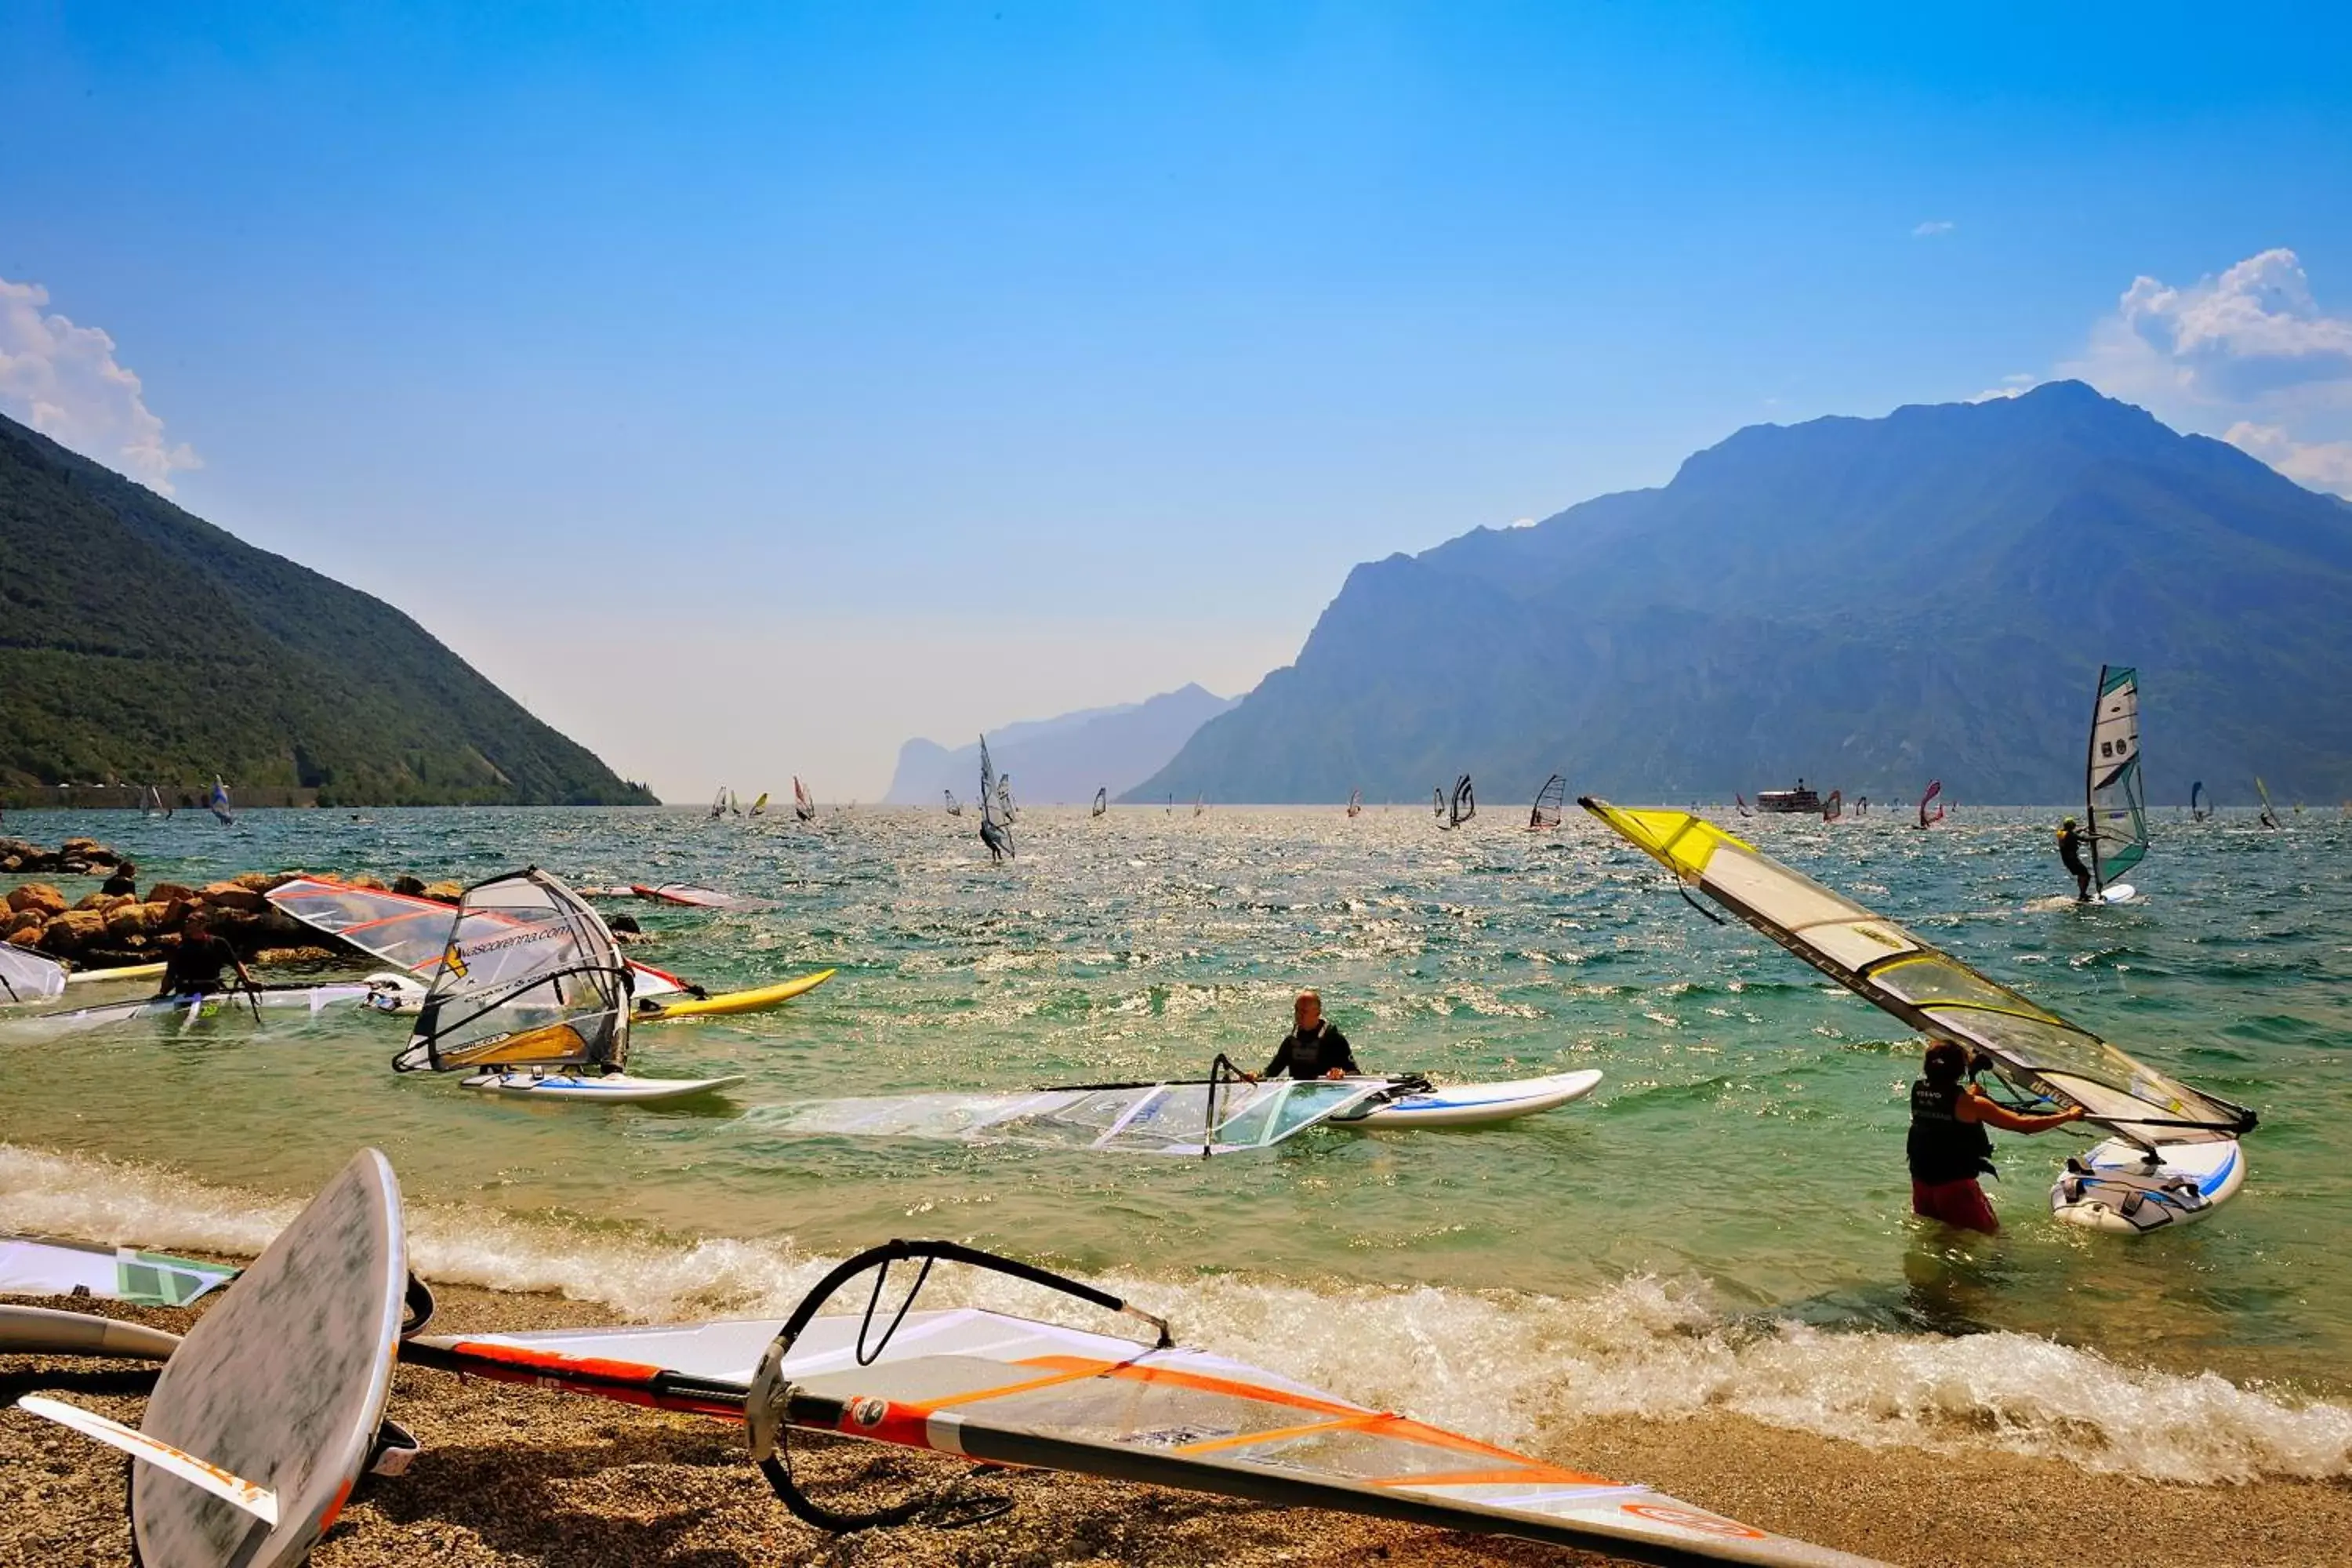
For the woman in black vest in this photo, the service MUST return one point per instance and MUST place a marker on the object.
(1948, 1146)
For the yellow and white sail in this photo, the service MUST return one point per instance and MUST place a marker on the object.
(2033, 1049)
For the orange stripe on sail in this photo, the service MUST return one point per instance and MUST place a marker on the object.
(1276, 1435)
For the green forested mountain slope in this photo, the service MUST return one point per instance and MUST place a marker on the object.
(141, 642)
(1869, 602)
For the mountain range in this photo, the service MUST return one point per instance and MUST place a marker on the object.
(1061, 760)
(141, 643)
(1867, 603)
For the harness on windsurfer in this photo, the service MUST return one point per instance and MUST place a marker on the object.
(2070, 851)
(1314, 1048)
(1948, 1146)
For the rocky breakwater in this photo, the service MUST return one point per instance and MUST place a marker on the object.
(74, 857)
(108, 929)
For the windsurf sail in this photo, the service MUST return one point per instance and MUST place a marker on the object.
(719, 804)
(1935, 788)
(995, 808)
(1742, 801)
(151, 802)
(2270, 813)
(2198, 808)
(1550, 802)
(734, 806)
(27, 976)
(1355, 803)
(40, 1266)
(1102, 800)
(803, 804)
(992, 1387)
(543, 987)
(2035, 1051)
(1464, 803)
(1209, 1116)
(955, 807)
(1437, 801)
(2112, 790)
(219, 802)
(760, 806)
(1834, 807)
(688, 895)
(1199, 804)
(413, 933)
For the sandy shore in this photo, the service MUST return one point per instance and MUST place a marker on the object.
(515, 1479)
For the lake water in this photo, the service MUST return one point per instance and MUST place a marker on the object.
(1722, 1224)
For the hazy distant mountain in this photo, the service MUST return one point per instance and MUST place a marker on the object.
(1065, 759)
(139, 642)
(1870, 602)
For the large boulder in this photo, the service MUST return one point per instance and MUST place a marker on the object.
(24, 936)
(102, 902)
(370, 883)
(256, 881)
(412, 885)
(38, 896)
(68, 933)
(230, 896)
(446, 892)
(129, 920)
(14, 921)
(170, 893)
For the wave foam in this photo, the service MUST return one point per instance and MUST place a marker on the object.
(1498, 1365)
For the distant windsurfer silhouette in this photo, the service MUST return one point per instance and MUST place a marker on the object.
(2070, 850)
(1313, 1048)
(1948, 1147)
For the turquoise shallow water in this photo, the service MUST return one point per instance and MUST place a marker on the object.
(1722, 1224)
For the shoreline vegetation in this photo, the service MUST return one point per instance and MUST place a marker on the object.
(515, 1477)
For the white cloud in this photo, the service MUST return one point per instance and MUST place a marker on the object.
(2010, 386)
(63, 380)
(2322, 465)
(1933, 227)
(2249, 355)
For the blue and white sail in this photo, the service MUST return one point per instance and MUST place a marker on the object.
(2116, 800)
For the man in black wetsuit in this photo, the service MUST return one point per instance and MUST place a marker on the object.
(2070, 850)
(1312, 1049)
(195, 967)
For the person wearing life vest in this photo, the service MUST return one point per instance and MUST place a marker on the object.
(1949, 1147)
(2070, 850)
(1313, 1048)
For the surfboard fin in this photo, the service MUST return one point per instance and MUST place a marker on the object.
(254, 1499)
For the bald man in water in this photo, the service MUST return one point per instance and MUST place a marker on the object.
(1313, 1048)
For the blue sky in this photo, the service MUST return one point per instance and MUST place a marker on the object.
(750, 388)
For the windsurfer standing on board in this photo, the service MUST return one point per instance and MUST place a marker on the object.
(1949, 1146)
(1314, 1049)
(2070, 850)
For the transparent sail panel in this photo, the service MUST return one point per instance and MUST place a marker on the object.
(28, 977)
(1142, 1118)
(529, 976)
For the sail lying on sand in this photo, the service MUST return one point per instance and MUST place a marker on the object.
(2037, 1052)
(2113, 793)
(1927, 819)
(993, 1388)
(28, 977)
(543, 987)
(413, 933)
(38, 1265)
(1550, 802)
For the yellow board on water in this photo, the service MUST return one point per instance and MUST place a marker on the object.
(753, 1001)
